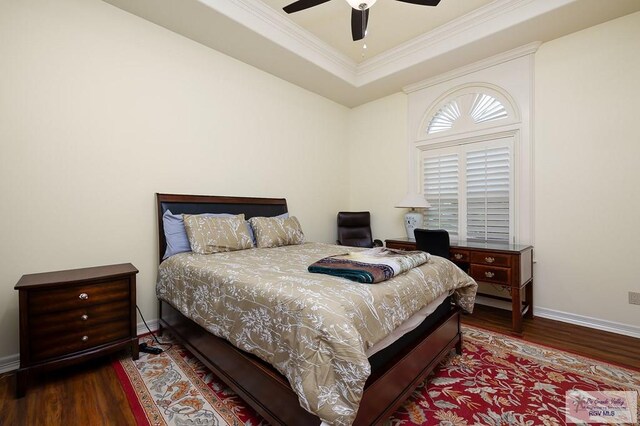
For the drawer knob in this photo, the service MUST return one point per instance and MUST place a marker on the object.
(83, 296)
(85, 338)
(489, 259)
(84, 317)
(489, 274)
(458, 256)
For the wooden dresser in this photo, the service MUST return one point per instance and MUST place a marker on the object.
(71, 316)
(507, 265)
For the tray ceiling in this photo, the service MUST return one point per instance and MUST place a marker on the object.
(391, 23)
(406, 44)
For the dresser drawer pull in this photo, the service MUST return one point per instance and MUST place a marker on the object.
(489, 259)
(85, 338)
(489, 274)
(84, 317)
(83, 296)
(458, 256)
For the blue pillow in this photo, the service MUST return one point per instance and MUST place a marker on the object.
(176, 234)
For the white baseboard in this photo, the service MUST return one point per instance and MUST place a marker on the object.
(598, 324)
(590, 322)
(153, 325)
(9, 363)
(12, 362)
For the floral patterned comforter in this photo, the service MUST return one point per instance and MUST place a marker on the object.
(308, 326)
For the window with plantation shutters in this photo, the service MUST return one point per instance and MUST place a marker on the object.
(469, 188)
(467, 109)
(488, 181)
(471, 149)
(440, 174)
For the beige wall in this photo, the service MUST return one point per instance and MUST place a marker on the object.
(587, 176)
(100, 109)
(378, 156)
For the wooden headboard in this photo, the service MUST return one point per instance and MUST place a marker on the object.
(197, 204)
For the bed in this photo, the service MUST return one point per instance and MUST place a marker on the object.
(395, 370)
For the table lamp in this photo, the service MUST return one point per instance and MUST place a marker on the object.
(413, 219)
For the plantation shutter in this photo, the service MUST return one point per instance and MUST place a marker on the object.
(488, 173)
(440, 184)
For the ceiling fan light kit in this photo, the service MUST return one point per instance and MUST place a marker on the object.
(359, 12)
(361, 5)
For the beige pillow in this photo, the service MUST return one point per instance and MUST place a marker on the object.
(209, 234)
(275, 232)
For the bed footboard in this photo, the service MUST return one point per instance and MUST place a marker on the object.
(269, 393)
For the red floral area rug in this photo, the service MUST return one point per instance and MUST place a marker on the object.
(498, 380)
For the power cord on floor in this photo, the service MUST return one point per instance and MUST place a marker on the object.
(151, 332)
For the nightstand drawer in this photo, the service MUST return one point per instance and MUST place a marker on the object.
(459, 255)
(77, 296)
(78, 319)
(489, 258)
(490, 274)
(78, 339)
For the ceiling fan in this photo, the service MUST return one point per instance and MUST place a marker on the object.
(359, 12)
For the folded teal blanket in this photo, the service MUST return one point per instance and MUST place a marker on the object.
(370, 266)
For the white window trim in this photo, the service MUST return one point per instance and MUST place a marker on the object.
(485, 141)
(512, 77)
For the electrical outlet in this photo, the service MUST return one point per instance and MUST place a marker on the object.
(634, 298)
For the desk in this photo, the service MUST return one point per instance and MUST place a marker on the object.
(506, 265)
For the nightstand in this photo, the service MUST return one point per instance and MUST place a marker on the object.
(71, 316)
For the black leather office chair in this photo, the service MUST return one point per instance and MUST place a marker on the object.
(354, 229)
(433, 241)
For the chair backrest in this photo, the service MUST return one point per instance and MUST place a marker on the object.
(354, 229)
(433, 241)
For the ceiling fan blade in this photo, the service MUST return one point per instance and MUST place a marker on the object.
(359, 21)
(422, 2)
(299, 5)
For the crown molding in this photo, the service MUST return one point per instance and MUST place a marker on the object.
(428, 42)
(489, 19)
(518, 52)
(270, 24)
(482, 22)
(476, 25)
(267, 39)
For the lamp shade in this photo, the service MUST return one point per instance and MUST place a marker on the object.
(356, 3)
(413, 201)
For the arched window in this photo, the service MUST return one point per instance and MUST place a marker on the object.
(470, 137)
(469, 181)
(468, 109)
(479, 107)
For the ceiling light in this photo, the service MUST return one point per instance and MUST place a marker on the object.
(361, 4)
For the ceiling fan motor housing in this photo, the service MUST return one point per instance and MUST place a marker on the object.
(361, 4)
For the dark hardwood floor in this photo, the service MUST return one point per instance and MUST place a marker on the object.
(601, 345)
(90, 394)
